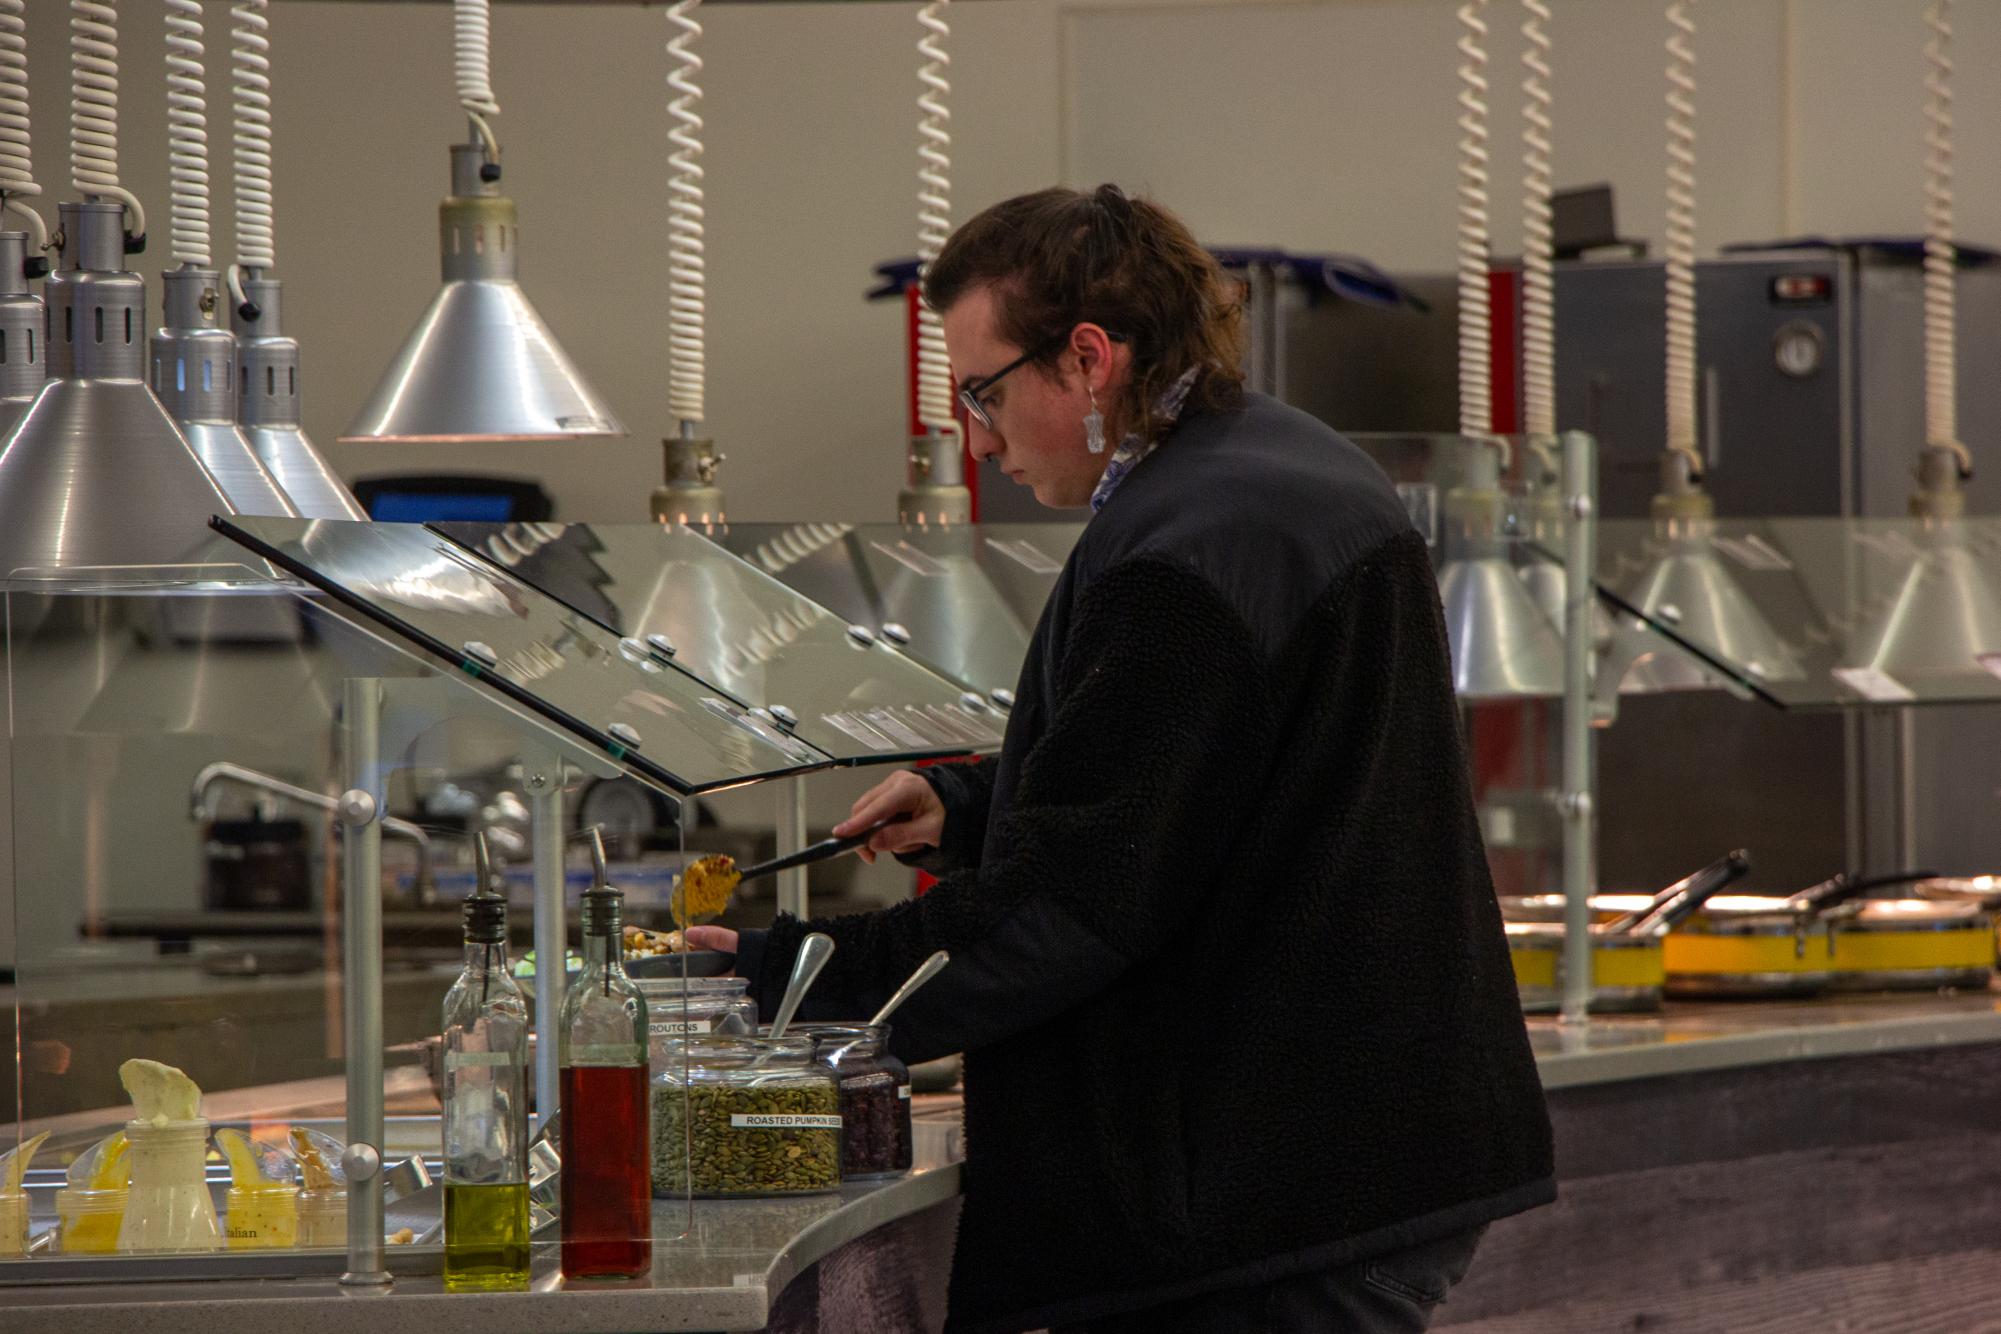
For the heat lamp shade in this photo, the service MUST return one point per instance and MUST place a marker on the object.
(1691, 591)
(1503, 647)
(313, 488)
(97, 474)
(1941, 620)
(482, 366)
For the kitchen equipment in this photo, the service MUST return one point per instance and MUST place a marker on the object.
(1628, 956)
(1753, 946)
(258, 865)
(927, 970)
(814, 952)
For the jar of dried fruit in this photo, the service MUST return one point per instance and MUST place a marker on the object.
(875, 1097)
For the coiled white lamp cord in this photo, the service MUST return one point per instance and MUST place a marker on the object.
(472, 61)
(1941, 336)
(93, 120)
(1680, 241)
(934, 216)
(687, 276)
(1476, 393)
(17, 162)
(187, 134)
(1538, 231)
(250, 141)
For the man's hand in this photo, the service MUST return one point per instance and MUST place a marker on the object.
(901, 794)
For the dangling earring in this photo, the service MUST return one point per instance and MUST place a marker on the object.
(1094, 425)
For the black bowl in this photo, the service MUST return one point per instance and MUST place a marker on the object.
(695, 963)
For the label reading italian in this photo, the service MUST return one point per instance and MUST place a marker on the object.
(783, 1121)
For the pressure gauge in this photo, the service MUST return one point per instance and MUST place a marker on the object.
(1798, 349)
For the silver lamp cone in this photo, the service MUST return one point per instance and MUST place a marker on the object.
(267, 407)
(1691, 591)
(194, 377)
(1503, 646)
(1942, 617)
(24, 334)
(96, 472)
(1943, 613)
(480, 365)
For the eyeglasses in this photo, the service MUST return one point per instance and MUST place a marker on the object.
(970, 394)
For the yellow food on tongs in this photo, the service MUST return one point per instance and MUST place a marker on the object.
(704, 888)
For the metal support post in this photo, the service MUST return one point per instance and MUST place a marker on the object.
(359, 811)
(1578, 804)
(792, 838)
(544, 781)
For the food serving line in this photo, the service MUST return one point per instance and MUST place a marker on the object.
(889, 1242)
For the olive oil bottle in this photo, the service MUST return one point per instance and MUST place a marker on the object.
(486, 1105)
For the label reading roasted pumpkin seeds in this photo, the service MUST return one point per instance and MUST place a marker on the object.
(783, 1121)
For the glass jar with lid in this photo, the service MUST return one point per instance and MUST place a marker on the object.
(875, 1096)
(744, 1116)
(711, 1005)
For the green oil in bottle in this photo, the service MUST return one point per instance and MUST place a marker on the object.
(486, 1237)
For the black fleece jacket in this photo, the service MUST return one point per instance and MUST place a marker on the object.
(1226, 963)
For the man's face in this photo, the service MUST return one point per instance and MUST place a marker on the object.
(1038, 415)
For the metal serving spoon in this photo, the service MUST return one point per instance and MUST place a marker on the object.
(927, 970)
(814, 952)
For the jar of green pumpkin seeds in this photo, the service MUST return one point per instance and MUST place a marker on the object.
(743, 1116)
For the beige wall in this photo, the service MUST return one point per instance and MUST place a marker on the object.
(1309, 125)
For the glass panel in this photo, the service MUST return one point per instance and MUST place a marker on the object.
(1818, 612)
(638, 706)
(179, 888)
(963, 601)
(746, 633)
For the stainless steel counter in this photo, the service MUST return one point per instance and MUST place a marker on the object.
(1719, 1035)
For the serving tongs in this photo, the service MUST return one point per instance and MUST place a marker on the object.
(1821, 903)
(1678, 900)
(816, 852)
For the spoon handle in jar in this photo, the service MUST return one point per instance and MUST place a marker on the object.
(814, 952)
(925, 972)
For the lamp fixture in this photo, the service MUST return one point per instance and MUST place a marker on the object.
(480, 366)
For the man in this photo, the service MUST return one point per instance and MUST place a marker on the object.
(1243, 1049)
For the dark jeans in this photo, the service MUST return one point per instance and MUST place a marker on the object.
(1390, 1294)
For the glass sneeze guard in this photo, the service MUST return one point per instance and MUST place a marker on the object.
(216, 785)
(963, 601)
(854, 696)
(1852, 612)
(637, 704)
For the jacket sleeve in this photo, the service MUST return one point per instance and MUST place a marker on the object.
(966, 791)
(1157, 740)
